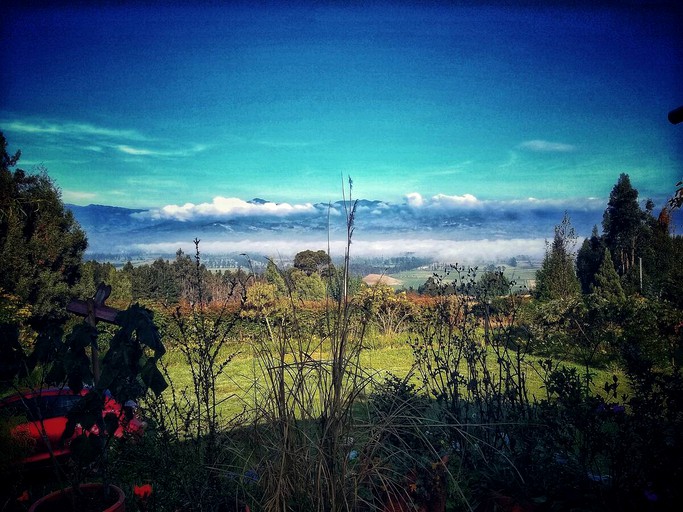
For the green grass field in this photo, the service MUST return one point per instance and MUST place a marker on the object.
(235, 388)
(523, 277)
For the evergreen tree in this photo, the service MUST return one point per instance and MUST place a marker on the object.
(121, 289)
(622, 224)
(588, 260)
(556, 279)
(41, 244)
(663, 268)
(607, 283)
(184, 270)
(274, 277)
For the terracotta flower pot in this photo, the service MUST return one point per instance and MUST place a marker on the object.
(93, 500)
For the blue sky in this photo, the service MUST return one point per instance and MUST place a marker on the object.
(155, 107)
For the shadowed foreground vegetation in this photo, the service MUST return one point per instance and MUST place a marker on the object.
(283, 404)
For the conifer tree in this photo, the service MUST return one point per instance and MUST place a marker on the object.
(589, 259)
(556, 279)
(622, 224)
(41, 244)
(274, 277)
(607, 283)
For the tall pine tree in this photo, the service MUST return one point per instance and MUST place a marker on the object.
(622, 223)
(588, 260)
(556, 279)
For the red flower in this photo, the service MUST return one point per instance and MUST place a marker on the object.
(142, 491)
(24, 497)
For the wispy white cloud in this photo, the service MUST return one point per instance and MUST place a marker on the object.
(31, 163)
(72, 129)
(76, 196)
(226, 207)
(544, 146)
(138, 151)
(98, 138)
(134, 151)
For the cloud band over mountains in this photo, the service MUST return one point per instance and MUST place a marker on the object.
(442, 250)
(446, 227)
(439, 206)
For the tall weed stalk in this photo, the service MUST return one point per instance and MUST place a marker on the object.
(306, 385)
(318, 444)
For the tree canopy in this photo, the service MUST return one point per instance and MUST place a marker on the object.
(41, 244)
(318, 262)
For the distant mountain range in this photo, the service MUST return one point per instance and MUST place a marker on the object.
(438, 229)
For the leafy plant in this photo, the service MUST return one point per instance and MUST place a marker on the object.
(463, 349)
(128, 371)
(188, 427)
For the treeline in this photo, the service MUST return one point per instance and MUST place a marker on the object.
(311, 277)
(164, 281)
(620, 295)
(646, 257)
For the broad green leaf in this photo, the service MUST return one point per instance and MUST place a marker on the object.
(153, 378)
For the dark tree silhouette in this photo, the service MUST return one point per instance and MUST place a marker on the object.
(41, 244)
(621, 223)
(588, 259)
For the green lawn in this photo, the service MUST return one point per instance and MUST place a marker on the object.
(412, 278)
(235, 386)
(522, 276)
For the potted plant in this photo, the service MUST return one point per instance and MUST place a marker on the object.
(125, 373)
